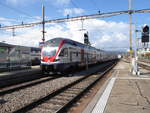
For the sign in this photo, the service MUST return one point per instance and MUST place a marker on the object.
(41, 44)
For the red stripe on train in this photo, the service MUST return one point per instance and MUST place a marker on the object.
(52, 59)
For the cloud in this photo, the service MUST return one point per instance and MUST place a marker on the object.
(73, 11)
(29, 2)
(16, 2)
(6, 21)
(58, 2)
(62, 2)
(12, 1)
(101, 33)
(21, 2)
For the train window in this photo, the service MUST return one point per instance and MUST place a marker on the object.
(77, 54)
(61, 53)
(64, 52)
(49, 53)
(3, 50)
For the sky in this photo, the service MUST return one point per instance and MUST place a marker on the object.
(104, 33)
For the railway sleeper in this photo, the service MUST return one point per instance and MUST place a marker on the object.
(66, 98)
(72, 92)
(41, 110)
(82, 86)
(76, 89)
(55, 101)
(48, 105)
(68, 95)
(52, 108)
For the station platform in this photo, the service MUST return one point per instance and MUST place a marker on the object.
(123, 92)
(11, 74)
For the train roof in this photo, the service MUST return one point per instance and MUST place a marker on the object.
(11, 46)
(5, 45)
(56, 41)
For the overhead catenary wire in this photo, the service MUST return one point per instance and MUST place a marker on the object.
(74, 4)
(94, 4)
(77, 18)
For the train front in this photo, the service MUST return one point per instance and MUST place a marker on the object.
(49, 53)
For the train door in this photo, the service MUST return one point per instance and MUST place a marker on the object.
(64, 55)
(82, 55)
(3, 58)
(70, 56)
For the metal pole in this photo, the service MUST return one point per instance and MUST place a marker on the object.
(136, 55)
(82, 29)
(43, 23)
(87, 59)
(13, 32)
(130, 32)
(136, 51)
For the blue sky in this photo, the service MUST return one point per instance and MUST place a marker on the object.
(16, 11)
(54, 8)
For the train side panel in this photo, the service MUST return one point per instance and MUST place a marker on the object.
(16, 57)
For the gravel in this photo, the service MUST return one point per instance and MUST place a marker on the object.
(16, 100)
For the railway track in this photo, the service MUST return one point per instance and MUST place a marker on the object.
(10, 80)
(60, 100)
(142, 63)
(47, 95)
(145, 61)
(10, 89)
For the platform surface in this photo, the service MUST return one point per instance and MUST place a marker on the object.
(124, 92)
(17, 72)
(130, 94)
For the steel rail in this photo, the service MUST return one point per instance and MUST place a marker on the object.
(144, 65)
(56, 97)
(13, 88)
(86, 89)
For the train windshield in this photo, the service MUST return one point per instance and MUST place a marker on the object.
(49, 51)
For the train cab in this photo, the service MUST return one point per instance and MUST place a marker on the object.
(49, 55)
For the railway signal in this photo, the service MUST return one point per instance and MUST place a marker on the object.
(86, 39)
(145, 34)
(86, 42)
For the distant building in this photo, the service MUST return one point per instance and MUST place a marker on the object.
(144, 53)
(41, 44)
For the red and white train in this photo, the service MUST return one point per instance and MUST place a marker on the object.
(61, 54)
